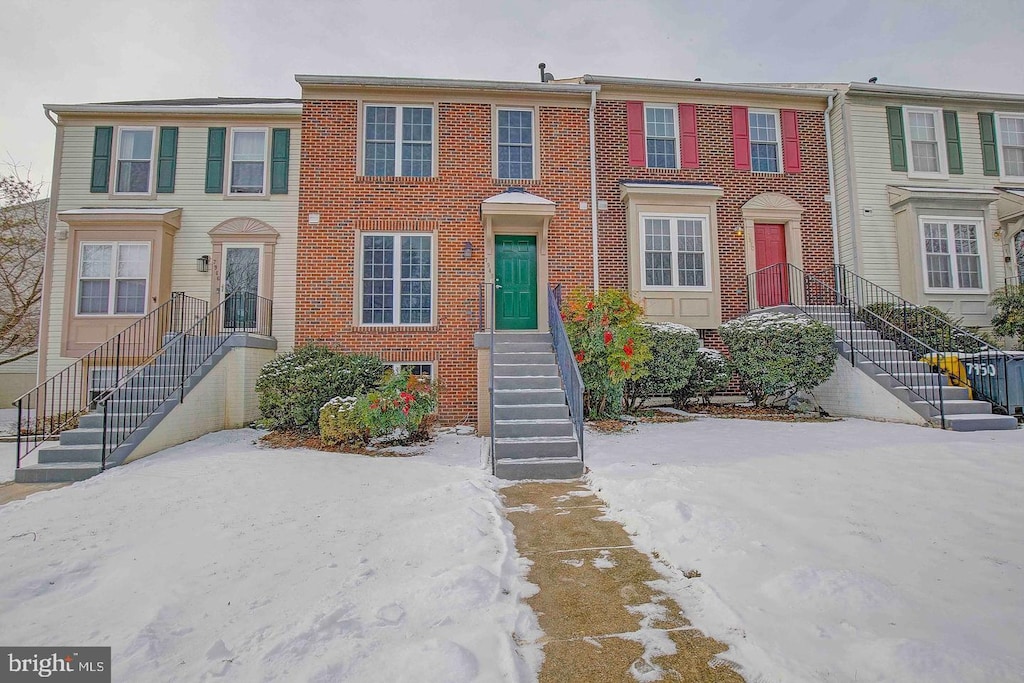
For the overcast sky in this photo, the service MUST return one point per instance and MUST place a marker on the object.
(74, 51)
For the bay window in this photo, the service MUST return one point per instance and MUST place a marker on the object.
(954, 254)
(113, 278)
(676, 252)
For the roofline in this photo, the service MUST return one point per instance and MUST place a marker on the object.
(445, 84)
(234, 110)
(701, 86)
(878, 90)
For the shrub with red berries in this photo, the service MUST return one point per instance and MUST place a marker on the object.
(610, 344)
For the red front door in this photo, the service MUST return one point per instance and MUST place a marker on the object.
(769, 250)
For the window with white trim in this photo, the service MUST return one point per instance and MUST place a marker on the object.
(676, 252)
(926, 138)
(765, 137)
(515, 144)
(661, 136)
(134, 160)
(424, 370)
(398, 141)
(1011, 145)
(953, 253)
(113, 278)
(248, 161)
(397, 279)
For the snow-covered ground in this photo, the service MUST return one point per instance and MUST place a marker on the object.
(8, 421)
(219, 559)
(837, 552)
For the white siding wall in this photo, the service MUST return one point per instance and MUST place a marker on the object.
(870, 140)
(841, 191)
(200, 213)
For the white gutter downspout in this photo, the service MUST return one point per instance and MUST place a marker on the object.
(831, 180)
(593, 189)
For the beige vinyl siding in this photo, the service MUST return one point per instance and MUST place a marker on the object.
(841, 191)
(870, 140)
(200, 213)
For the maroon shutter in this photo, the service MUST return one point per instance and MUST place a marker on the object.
(635, 126)
(689, 156)
(790, 141)
(741, 138)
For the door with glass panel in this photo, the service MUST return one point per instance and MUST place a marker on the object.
(241, 286)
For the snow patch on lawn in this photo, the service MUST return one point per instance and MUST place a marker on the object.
(218, 558)
(845, 551)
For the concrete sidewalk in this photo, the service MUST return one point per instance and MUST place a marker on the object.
(602, 619)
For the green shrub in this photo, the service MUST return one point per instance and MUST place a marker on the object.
(776, 355)
(293, 387)
(711, 374)
(1009, 318)
(610, 345)
(401, 407)
(668, 370)
(928, 324)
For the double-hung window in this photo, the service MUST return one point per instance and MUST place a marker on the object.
(764, 141)
(926, 139)
(515, 144)
(113, 278)
(660, 130)
(954, 256)
(134, 160)
(397, 279)
(399, 141)
(248, 161)
(676, 252)
(1011, 145)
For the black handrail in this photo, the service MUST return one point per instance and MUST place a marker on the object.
(980, 364)
(572, 379)
(919, 367)
(56, 404)
(140, 394)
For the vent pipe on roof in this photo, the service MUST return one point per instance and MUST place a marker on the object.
(873, 79)
(544, 76)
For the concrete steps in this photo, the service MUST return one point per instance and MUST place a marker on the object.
(534, 437)
(908, 379)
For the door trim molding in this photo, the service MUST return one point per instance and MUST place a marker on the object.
(775, 209)
(537, 228)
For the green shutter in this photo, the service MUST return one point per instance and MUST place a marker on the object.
(897, 141)
(215, 160)
(279, 161)
(989, 155)
(167, 160)
(101, 145)
(953, 154)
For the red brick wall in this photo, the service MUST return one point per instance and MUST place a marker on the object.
(448, 204)
(714, 126)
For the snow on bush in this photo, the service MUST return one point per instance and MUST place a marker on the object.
(400, 408)
(776, 355)
(293, 387)
(711, 374)
(669, 368)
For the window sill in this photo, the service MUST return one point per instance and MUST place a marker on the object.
(131, 195)
(516, 181)
(768, 174)
(397, 180)
(360, 327)
(921, 175)
(244, 196)
(1011, 179)
(958, 292)
(677, 290)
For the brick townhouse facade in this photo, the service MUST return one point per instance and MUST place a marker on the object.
(700, 184)
(408, 187)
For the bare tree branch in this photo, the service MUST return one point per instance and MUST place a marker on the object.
(23, 220)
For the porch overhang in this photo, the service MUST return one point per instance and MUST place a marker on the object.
(115, 217)
(945, 197)
(666, 192)
(1011, 203)
(516, 206)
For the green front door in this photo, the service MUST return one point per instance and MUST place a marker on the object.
(515, 262)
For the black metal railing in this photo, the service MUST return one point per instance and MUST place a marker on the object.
(57, 403)
(572, 379)
(920, 368)
(490, 384)
(972, 361)
(140, 394)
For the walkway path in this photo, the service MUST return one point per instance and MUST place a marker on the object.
(602, 618)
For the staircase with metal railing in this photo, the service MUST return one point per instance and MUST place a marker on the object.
(917, 356)
(112, 421)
